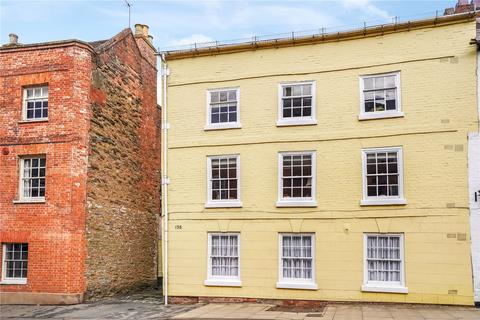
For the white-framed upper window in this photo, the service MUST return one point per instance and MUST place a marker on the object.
(296, 103)
(223, 181)
(223, 259)
(384, 267)
(223, 108)
(380, 96)
(32, 178)
(35, 103)
(296, 179)
(382, 176)
(296, 261)
(14, 263)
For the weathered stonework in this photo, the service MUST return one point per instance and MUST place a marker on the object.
(123, 172)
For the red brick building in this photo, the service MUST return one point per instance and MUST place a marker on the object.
(79, 168)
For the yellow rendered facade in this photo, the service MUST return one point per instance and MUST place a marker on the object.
(437, 87)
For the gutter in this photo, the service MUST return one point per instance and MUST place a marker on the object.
(359, 33)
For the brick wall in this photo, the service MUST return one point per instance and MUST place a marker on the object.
(123, 178)
(54, 230)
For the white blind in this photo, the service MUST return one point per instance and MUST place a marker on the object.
(224, 255)
(384, 258)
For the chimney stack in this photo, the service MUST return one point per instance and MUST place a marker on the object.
(145, 30)
(141, 30)
(138, 29)
(13, 39)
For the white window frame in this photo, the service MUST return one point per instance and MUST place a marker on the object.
(384, 286)
(24, 103)
(281, 121)
(222, 125)
(21, 197)
(222, 280)
(381, 114)
(291, 283)
(383, 200)
(10, 280)
(211, 203)
(297, 202)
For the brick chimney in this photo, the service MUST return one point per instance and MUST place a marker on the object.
(145, 42)
(463, 6)
(13, 39)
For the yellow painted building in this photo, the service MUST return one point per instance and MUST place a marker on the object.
(324, 168)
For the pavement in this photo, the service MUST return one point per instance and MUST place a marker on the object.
(237, 311)
(149, 305)
(145, 305)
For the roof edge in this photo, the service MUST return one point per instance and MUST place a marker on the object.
(323, 38)
(47, 45)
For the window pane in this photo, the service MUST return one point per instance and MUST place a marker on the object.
(297, 192)
(307, 89)
(393, 190)
(372, 180)
(307, 102)
(371, 169)
(390, 81)
(382, 168)
(379, 82)
(297, 112)
(369, 106)
(379, 105)
(37, 113)
(382, 179)
(382, 190)
(297, 90)
(368, 83)
(223, 96)
(307, 112)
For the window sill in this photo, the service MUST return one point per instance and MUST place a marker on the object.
(41, 200)
(224, 204)
(387, 289)
(223, 283)
(296, 122)
(294, 285)
(33, 120)
(223, 126)
(13, 281)
(380, 115)
(383, 202)
(296, 203)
